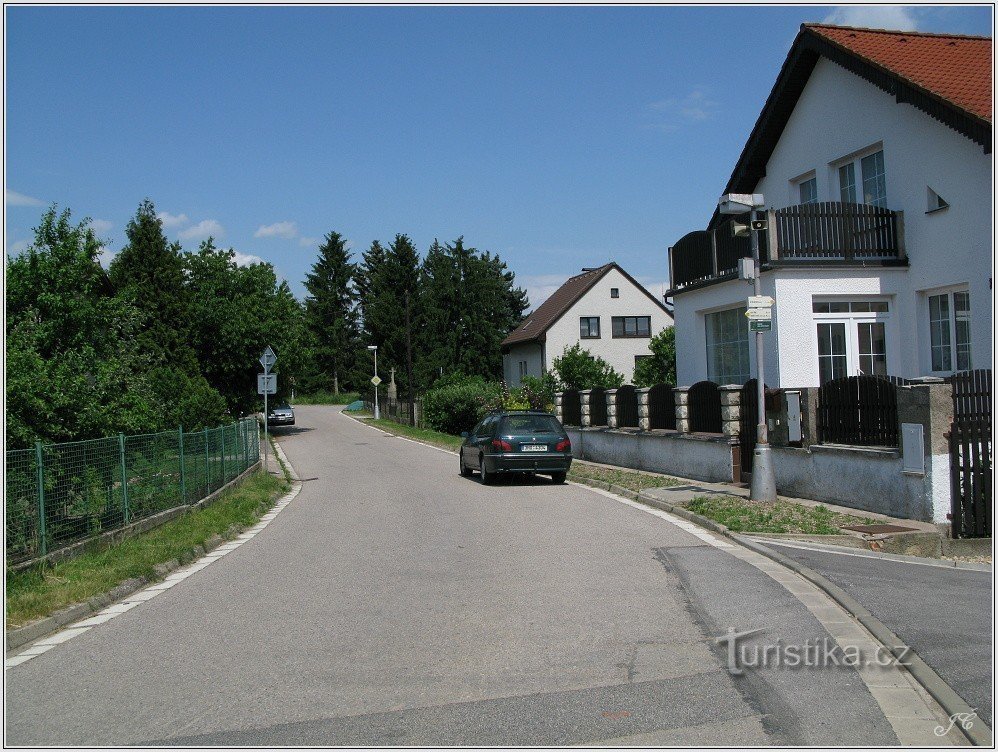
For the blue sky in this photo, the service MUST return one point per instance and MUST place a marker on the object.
(557, 137)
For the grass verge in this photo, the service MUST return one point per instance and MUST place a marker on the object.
(632, 480)
(743, 516)
(326, 398)
(40, 591)
(436, 438)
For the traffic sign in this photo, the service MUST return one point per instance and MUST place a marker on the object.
(268, 359)
(760, 301)
(759, 314)
(266, 383)
(376, 380)
(763, 325)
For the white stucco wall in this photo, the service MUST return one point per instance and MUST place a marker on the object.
(840, 114)
(618, 352)
(531, 352)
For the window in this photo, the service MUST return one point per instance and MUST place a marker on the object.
(523, 369)
(589, 327)
(727, 346)
(614, 292)
(808, 191)
(873, 175)
(847, 183)
(874, 179)
(631, 326)
(949, 331)
(934, 202)
(852, 337)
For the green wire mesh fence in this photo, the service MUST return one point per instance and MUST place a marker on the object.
(59, 494)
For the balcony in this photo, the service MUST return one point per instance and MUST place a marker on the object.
(814, 235)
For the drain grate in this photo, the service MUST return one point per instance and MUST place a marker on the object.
(879, 528)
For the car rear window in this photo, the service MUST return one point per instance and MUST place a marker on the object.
(515, 424)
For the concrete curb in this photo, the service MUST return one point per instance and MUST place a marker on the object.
(16, 638)
(820, 545)
(978, 734)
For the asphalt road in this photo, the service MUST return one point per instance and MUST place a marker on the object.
(946, 614)
(394, 602)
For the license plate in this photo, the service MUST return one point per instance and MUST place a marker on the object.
(534, 447)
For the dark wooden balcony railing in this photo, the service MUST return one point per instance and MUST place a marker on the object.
(806, 234)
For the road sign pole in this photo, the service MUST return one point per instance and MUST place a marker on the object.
(763, 485)
(266, 436)
(377, 408)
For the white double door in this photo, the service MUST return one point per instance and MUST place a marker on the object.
(851, 347)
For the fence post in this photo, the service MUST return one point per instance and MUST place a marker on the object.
(183, 470)
(682, 394)
(644, 409)
(731, 400)
(585, 416)
(40, 479)
(558, 412)
(221, 432)
(207, 463)
(610, 395)
(124, 479)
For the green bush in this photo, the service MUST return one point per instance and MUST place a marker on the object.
(459, 405)
(660, 368)
(580, 369)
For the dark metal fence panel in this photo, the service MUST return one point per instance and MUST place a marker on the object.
(597, 407)
(704, 400)
(838, 231)
(858, 410)
(748, 420)
(662, 407)
(571, 408)
(971, 451)
(627, 407)
(692, 258)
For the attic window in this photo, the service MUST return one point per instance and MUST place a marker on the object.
(614, 292)
(935, 202)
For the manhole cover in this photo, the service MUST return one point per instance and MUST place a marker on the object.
(879, 528)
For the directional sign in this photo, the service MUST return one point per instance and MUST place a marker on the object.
(376, 380)
(759, 314)
(268, 359)
(765, 325)
(266, 383)
(760, 301)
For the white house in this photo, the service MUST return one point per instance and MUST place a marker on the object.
(603, 309)
(873, 153)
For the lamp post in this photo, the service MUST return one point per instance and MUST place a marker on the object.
(763, 485)
(375, 380)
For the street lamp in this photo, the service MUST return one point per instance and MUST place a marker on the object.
(375, 381)
(763, 486)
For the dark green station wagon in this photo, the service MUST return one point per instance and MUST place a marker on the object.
(517, 441)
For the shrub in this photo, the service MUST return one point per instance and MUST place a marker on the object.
(459, 405)
(660, 368)
(580, 369)
(538, 393)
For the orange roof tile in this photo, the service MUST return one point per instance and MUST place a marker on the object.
(952, 67)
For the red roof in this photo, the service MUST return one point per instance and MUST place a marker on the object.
(952, 67)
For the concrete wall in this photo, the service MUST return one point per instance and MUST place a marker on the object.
(838, 115)
(698, 457)
(618, 352)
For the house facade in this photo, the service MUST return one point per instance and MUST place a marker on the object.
(873, 153)
(603, 309)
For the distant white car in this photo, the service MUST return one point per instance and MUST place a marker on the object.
(282, 415)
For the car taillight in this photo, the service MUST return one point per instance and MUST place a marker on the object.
(563, 446)
(502, 445)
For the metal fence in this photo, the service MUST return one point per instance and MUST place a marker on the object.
(858, 410)
(571, 408)
(705, 407)
(59, 494)
(662, 407)
(971, 448)
(626, 402)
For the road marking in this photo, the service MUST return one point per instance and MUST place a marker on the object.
(150, 592)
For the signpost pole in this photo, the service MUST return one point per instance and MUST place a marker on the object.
(763, 485)
(266, 437)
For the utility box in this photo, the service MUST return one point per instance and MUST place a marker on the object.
(795, 434)
(913, 448)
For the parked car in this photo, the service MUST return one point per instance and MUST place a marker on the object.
(282, 415)
(517, 441)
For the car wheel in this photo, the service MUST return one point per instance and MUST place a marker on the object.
(558, 477)
(487, 478)
(465, 472)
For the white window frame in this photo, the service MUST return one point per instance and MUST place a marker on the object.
(856, 160)
(743, 338)
(796, 184)
(950, 293)
(851, 320)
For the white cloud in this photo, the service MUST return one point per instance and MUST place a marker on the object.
(202, 230)
(895, 17)
(307, 242)
(277, 230)
(695, 107)
(246, 259)
(13, 198)
(105, 256)
(540, 286)
(171, 221)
